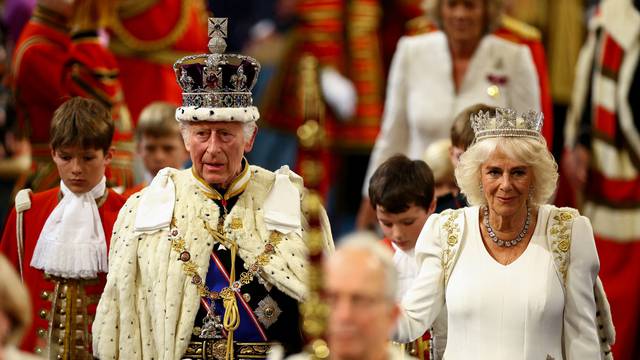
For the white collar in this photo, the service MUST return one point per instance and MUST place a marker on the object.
(72, 242)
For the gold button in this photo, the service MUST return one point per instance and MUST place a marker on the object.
(38, 350)
(59, 357)
(493, 91)
(44, 295)
(41, 332)
(62, 311)
(60, 341)
(43, 314)
(61, 326)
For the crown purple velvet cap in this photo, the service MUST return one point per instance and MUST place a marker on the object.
(217, 86)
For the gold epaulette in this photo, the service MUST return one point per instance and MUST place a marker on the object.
(521, 28)
(419, 25)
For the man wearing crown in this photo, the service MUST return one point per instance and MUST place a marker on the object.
(209, 262)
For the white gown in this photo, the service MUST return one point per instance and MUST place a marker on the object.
(497, 312)
(508, 305)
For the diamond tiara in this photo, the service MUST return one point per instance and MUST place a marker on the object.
(506, 123)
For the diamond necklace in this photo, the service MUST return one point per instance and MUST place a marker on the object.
(507, 243)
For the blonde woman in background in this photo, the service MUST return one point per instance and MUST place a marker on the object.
(15, 313)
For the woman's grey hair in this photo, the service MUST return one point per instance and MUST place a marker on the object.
(494, 11)
(248, 129)
(369, 242)
(532, 152)
(14, 302)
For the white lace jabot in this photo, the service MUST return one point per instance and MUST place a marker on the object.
(72, 242)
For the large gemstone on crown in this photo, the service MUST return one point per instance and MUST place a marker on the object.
(217, 73)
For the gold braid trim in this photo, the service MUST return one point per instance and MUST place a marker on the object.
(561, 241)
(453, 236)
(131, 41)
(231, 320)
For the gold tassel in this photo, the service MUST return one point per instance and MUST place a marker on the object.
(231, 314)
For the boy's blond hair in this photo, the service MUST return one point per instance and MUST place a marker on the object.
(158, 119)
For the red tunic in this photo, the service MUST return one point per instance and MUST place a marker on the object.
(49, 67)
(344, 38)
(40, 288)
(148, 39)
(132, 190)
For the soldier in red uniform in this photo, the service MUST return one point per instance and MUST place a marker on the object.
(59, 56)
(65, 278)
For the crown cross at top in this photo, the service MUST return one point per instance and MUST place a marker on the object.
(217, 30)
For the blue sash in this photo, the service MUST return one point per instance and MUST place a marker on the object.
(250, 329)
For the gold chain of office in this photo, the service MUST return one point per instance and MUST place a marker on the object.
(190, 268)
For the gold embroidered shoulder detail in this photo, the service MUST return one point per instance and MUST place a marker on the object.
(561, 240)
(452, 232)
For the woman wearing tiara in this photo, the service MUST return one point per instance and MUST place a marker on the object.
(518, 277)
(436, 75)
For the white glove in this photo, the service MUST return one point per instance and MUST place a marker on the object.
(339, 93)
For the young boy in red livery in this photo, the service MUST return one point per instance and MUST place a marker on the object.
(58, 239)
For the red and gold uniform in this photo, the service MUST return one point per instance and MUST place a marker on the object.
(520, 33)
(55, 299)
(320, 33)
(147, 38)
(50, 66)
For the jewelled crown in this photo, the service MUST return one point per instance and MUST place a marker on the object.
(217, 86)
(506, 123)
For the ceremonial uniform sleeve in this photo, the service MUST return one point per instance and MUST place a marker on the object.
(91, 70)
(8, 243)
(424, 300)
(580, 325)
(394, 132)
(524, 92)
